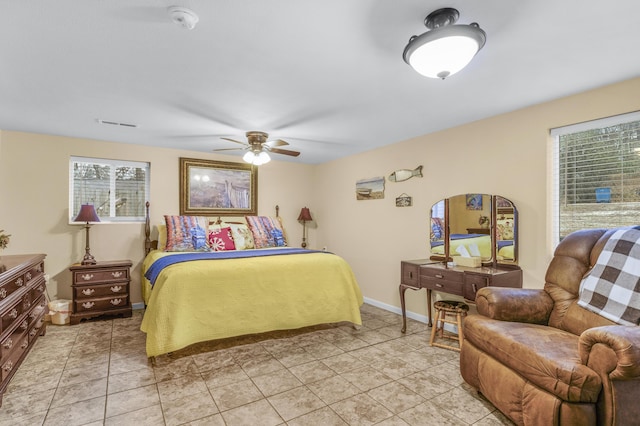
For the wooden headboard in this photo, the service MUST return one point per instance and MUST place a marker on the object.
(150, 244)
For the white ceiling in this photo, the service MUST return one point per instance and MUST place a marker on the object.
(325, 75)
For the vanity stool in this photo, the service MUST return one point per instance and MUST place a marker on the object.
(446, 309)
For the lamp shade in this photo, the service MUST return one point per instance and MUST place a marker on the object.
(305, 215)
(447, 48)
(87, 214)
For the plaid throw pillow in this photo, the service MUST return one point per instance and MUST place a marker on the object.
(612, 288)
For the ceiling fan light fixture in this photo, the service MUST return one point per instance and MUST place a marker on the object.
(256, 159)
(446, 48)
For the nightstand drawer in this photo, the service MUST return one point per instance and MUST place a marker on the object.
(473, 283)
(97, 276)
(100, 304)
(100, 290)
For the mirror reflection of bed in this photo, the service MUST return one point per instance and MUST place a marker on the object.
(474, 228)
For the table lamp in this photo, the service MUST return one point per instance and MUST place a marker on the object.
(87, 214)
(305, 216)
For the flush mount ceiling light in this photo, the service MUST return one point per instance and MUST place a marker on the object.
(183, 16)
(447, 48)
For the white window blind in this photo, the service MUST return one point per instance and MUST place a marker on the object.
(117, 189)
(597, 174)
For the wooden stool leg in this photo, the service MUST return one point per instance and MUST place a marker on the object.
(434, 327)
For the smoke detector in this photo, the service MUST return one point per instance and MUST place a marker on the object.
(183, 16)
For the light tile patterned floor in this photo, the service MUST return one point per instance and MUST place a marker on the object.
(97, 373)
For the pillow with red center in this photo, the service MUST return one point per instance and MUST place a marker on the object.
(220, 239)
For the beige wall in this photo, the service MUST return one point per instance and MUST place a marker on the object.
(34, 189)
(506, 155)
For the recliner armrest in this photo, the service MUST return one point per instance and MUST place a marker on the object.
(514, 304)
(621, 343)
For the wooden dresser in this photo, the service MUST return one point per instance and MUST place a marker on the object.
(456, 280)
(22, 310)
(100, 289)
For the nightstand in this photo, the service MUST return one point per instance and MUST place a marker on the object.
(100, 289)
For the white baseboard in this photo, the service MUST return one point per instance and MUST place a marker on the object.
(139, 305)
(396, 310)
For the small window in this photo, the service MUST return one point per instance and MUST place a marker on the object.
(597, 174)
(117, 189)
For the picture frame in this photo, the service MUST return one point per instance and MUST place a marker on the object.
(474, 201)
(218, 188)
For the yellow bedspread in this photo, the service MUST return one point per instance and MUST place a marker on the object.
(205, 300)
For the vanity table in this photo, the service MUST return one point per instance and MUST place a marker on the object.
(456, 280)
(454, 232)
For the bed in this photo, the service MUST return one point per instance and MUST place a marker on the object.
(482, 241)
(200, 296)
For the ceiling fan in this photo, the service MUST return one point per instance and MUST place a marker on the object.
(257, 148)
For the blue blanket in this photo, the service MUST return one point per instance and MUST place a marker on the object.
(157, 266)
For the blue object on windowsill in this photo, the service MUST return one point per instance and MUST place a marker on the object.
(603, 195)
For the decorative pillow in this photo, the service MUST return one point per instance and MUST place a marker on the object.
(186, 233)
(241, 235)
(220, 238)
(262, 228)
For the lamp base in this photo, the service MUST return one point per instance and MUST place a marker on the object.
(88, 260)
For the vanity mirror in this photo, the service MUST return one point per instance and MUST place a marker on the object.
(478, 225)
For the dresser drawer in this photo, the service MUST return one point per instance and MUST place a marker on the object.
(100, 304)
(410, 274)
(440, 279)
(15, 340)
(38, 288)
(97, 276)
(11, 313)
(100, 290)
(10, 362)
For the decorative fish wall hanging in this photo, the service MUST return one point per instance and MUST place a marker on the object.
(405, 174)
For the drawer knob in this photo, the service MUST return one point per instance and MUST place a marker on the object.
(86, 277)
(116, 302)
(475, 287)
(439, 285)
(411, 275)
(33, 332)
(3, 293)
(39, 268)
(8, 366)
(88, 305)
(88, 291)
(28, 276)
(19, 282)
(40, 289)
(8, 344)
(439, 276)
(117, 274)
(116, 288)
(24, 344)
(24, 325)
(13, 314)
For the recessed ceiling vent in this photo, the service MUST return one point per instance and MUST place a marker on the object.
(115, 123)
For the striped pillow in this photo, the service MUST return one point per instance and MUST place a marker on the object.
(266, 231)
(186, 233)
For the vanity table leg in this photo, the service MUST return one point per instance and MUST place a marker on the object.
(430, 324)
(402, 289)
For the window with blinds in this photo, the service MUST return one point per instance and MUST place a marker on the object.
(597, 174)
(117, 189)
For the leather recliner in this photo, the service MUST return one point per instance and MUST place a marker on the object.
(543, 360)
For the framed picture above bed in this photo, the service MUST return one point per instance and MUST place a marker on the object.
(218, 188)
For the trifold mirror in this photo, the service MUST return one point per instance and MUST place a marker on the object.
(476, 225)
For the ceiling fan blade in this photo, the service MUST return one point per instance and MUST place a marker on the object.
(230, 149)
(277, 142)
(284, 151)
(233, 140)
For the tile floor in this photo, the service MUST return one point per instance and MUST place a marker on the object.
(97, 373)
